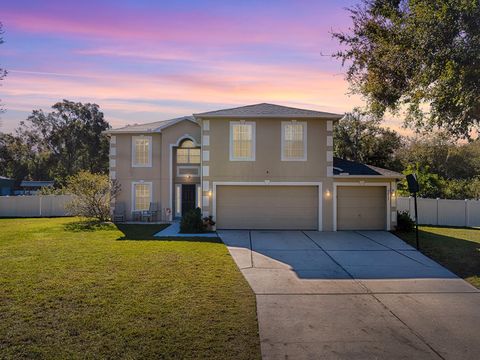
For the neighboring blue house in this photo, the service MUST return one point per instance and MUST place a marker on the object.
(6, 186)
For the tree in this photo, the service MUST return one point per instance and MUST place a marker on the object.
(67, 140)
(3, 72)
(421, 56)
(92, 194)
(361, 138)
(431, 185)
(444, 156)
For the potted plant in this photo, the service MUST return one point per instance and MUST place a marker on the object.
(208, 223)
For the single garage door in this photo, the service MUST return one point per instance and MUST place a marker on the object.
(267, 207)
(361, 208)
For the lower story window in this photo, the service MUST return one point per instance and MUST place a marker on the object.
(142, 196)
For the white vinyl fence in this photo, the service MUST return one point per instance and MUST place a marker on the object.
(442, 212)
(34, 205)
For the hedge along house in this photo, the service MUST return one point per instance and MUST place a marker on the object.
(260, 166)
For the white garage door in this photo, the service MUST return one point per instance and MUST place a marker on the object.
(267, 207)
(361, 208)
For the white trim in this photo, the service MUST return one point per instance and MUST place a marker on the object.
(199, 195)
(254, 140)
(170, 170)
(329, 140)
(113, 140)
(329, 156)
(178, 199)
(329, 125)
(113, 174)
(113, 151)
(187, 137)
(205, 201)
(305, 136)
(330, 171)
(149, 183)
(269, 183)
(206, 125)
(150, 147)
(206, 140)
(205, 170)
(362, 183)
(206, 155)
(188, 167)
(113, 163)
(206, 185)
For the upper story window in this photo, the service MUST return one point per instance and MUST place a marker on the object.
(294, 141)
(141, 151)
(187, 153)
(242, 141)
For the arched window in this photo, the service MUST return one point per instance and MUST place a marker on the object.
(187, 153)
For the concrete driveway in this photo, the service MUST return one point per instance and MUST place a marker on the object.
(354, 295)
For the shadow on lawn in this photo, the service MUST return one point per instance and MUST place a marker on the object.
(459, 255)
(147, 231)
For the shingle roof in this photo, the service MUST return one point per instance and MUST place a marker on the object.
(156, 126)
(268, 110)
(28, 183)
(352, 168)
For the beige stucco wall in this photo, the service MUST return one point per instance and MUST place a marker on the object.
(159, 173)
(268, 164)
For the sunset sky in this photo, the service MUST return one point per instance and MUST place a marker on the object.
(146, 60)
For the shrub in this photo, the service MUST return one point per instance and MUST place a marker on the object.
(92, 194)
(404, 221)
(192, 222)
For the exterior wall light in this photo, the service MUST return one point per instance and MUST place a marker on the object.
(328, 193)
(210, 193)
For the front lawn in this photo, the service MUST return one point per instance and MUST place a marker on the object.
(458, 249)
(69, 291)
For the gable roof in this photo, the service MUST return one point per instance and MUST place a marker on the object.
(268, 110)
(342, 167)
(154, 127)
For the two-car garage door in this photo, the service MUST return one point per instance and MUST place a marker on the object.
(267, 207)
(361, 208)
(287, 207)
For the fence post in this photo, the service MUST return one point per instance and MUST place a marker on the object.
(436, 219)
(466, 213)
(40, 203)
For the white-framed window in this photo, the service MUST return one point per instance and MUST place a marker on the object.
(242, 141)
(141, 195)
(141, 151)
(187, 153)
(294, 141)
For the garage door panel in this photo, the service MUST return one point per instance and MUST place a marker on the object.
(361, 208)
(267, 207)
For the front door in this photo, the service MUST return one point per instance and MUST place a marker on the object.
(188, 198)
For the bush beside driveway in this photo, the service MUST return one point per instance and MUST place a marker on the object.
(71, 289)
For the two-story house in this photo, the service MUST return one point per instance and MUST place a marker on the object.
(260, 166)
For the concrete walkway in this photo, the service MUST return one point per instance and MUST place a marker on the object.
(354, 295)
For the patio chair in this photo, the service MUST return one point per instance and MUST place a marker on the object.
(151, 213)
(119, 212)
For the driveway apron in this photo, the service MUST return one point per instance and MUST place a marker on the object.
(354, 295)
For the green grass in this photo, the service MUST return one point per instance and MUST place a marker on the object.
(458, 249)
(77, 290)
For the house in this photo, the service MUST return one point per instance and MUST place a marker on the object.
(29, 187)
(6, 186)
(260, 166)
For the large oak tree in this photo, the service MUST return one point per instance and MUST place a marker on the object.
(417, 56)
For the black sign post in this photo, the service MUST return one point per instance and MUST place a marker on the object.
(413, 187)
